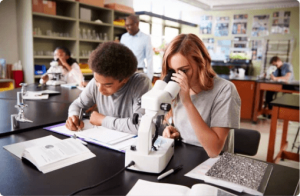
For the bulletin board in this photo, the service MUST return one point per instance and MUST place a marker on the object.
(239, 24)
(260, 25)
(222, 26)
(281, 22)
(205, 25)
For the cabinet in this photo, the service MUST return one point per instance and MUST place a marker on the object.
(39, 33)
(246, 90)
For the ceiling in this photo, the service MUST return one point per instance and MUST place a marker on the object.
(240, 4)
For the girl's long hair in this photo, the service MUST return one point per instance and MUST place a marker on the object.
(193, 49)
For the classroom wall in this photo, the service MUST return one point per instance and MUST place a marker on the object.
(294, 30)
(8, 32)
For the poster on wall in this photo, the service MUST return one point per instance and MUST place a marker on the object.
(257, 49)
(222, 26)
(206, 25)
(260, 25)
(281, 22)
(223, 47)
(209, 43)
(239, 25)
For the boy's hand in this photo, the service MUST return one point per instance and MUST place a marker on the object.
(74, 124)
(171, 132)
(96, 118)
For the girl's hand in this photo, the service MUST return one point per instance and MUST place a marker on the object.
(64, 63)
(171, 132)
(182, 80)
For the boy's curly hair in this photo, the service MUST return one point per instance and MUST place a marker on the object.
(114, 60)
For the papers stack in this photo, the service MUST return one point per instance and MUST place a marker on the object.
(38, 95)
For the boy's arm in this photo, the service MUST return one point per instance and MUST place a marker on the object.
(125, 124)
(85, 100)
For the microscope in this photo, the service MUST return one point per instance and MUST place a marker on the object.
(20, 117)
(152, 153)
(57, 72)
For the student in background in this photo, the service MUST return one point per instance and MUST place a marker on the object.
(207, 106)
(71, 70)
(115, 88)
(283, 73)
(140, 44)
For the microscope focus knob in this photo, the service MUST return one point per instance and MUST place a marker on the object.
(165, 107)
(135, 119)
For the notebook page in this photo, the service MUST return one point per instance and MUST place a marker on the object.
(143, 187)
(204, 190)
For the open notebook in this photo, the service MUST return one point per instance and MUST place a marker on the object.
(50, 153)
(143, 187)
(98, 135)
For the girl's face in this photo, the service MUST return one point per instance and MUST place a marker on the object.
(60, 55)
(179, 62)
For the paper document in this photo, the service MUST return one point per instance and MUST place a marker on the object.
(18, 148)
(52, 152)
(143, 187)
(34, 95)
(99, 135)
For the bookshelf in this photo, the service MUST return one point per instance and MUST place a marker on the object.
(39, 34)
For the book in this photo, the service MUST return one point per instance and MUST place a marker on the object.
(38, 95)
(51, 153)
(143, 187)
(235, 172)
(99, 135)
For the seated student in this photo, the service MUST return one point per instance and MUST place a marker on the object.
(283, 73)
(115, 88)
(71, 71)
(207, 106)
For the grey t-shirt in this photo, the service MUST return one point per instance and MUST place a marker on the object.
(218, 107)
(285, 68)
(119, 107)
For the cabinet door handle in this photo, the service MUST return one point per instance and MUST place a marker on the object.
(251, 86)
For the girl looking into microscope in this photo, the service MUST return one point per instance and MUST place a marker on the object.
(207, 107)
(70, 71)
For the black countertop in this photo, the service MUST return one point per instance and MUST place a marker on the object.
(21, 178)
(67, 95)
(41, 113)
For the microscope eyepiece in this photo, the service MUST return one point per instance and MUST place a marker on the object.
(169, 75)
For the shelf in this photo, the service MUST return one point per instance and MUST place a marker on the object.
(93, 7)
(53, 16)
(121, 27)
(95, 23)
(52, 37)
(93, 41)
(120, 12)
(37, 76)
(43, 57)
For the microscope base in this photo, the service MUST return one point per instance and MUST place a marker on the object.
(155, 161)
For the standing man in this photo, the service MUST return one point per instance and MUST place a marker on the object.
(140, 44)
(283, 73)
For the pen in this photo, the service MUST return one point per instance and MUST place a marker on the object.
(80, 118)
(76, 138)
(169, 172)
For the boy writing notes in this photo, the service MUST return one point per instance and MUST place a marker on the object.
(115, 88)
